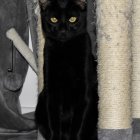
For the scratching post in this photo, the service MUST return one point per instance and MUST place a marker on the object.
(41, 42)
(114, 69)
(136, 69)
(38, 40)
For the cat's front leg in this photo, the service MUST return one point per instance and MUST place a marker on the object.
(77, 120)
(41, 116)
(89, 128)
(54, 118)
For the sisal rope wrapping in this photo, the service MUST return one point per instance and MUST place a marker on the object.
(41, 42)
(136, 59)
(114, 63)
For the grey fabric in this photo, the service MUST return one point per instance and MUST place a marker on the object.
(109, 134)
(91, 24)
(27, 135)
(136, 126)
(31, 6)
(136, 137)
(136, 129)
(13, 125)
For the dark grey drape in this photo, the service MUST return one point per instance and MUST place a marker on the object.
(13, 69)
(91, 24)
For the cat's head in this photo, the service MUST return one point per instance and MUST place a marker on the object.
(63, 19)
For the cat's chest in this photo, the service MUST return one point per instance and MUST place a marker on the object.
(66, 71)
(67, 66)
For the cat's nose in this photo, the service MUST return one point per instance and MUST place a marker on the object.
(63, 33)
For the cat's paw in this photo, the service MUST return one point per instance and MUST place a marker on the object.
(89, 138)
(74, 138)
(44, 133)
(55, 137)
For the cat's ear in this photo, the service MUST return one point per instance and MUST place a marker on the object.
(44, 4)
(81, 3)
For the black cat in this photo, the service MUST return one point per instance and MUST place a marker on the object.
(67, 106)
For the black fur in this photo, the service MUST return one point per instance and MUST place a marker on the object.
(67, 106)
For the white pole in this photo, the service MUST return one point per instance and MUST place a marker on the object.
(114, 63)
(41, 43)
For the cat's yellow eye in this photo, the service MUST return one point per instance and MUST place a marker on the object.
(54, 19)
(73, 19)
